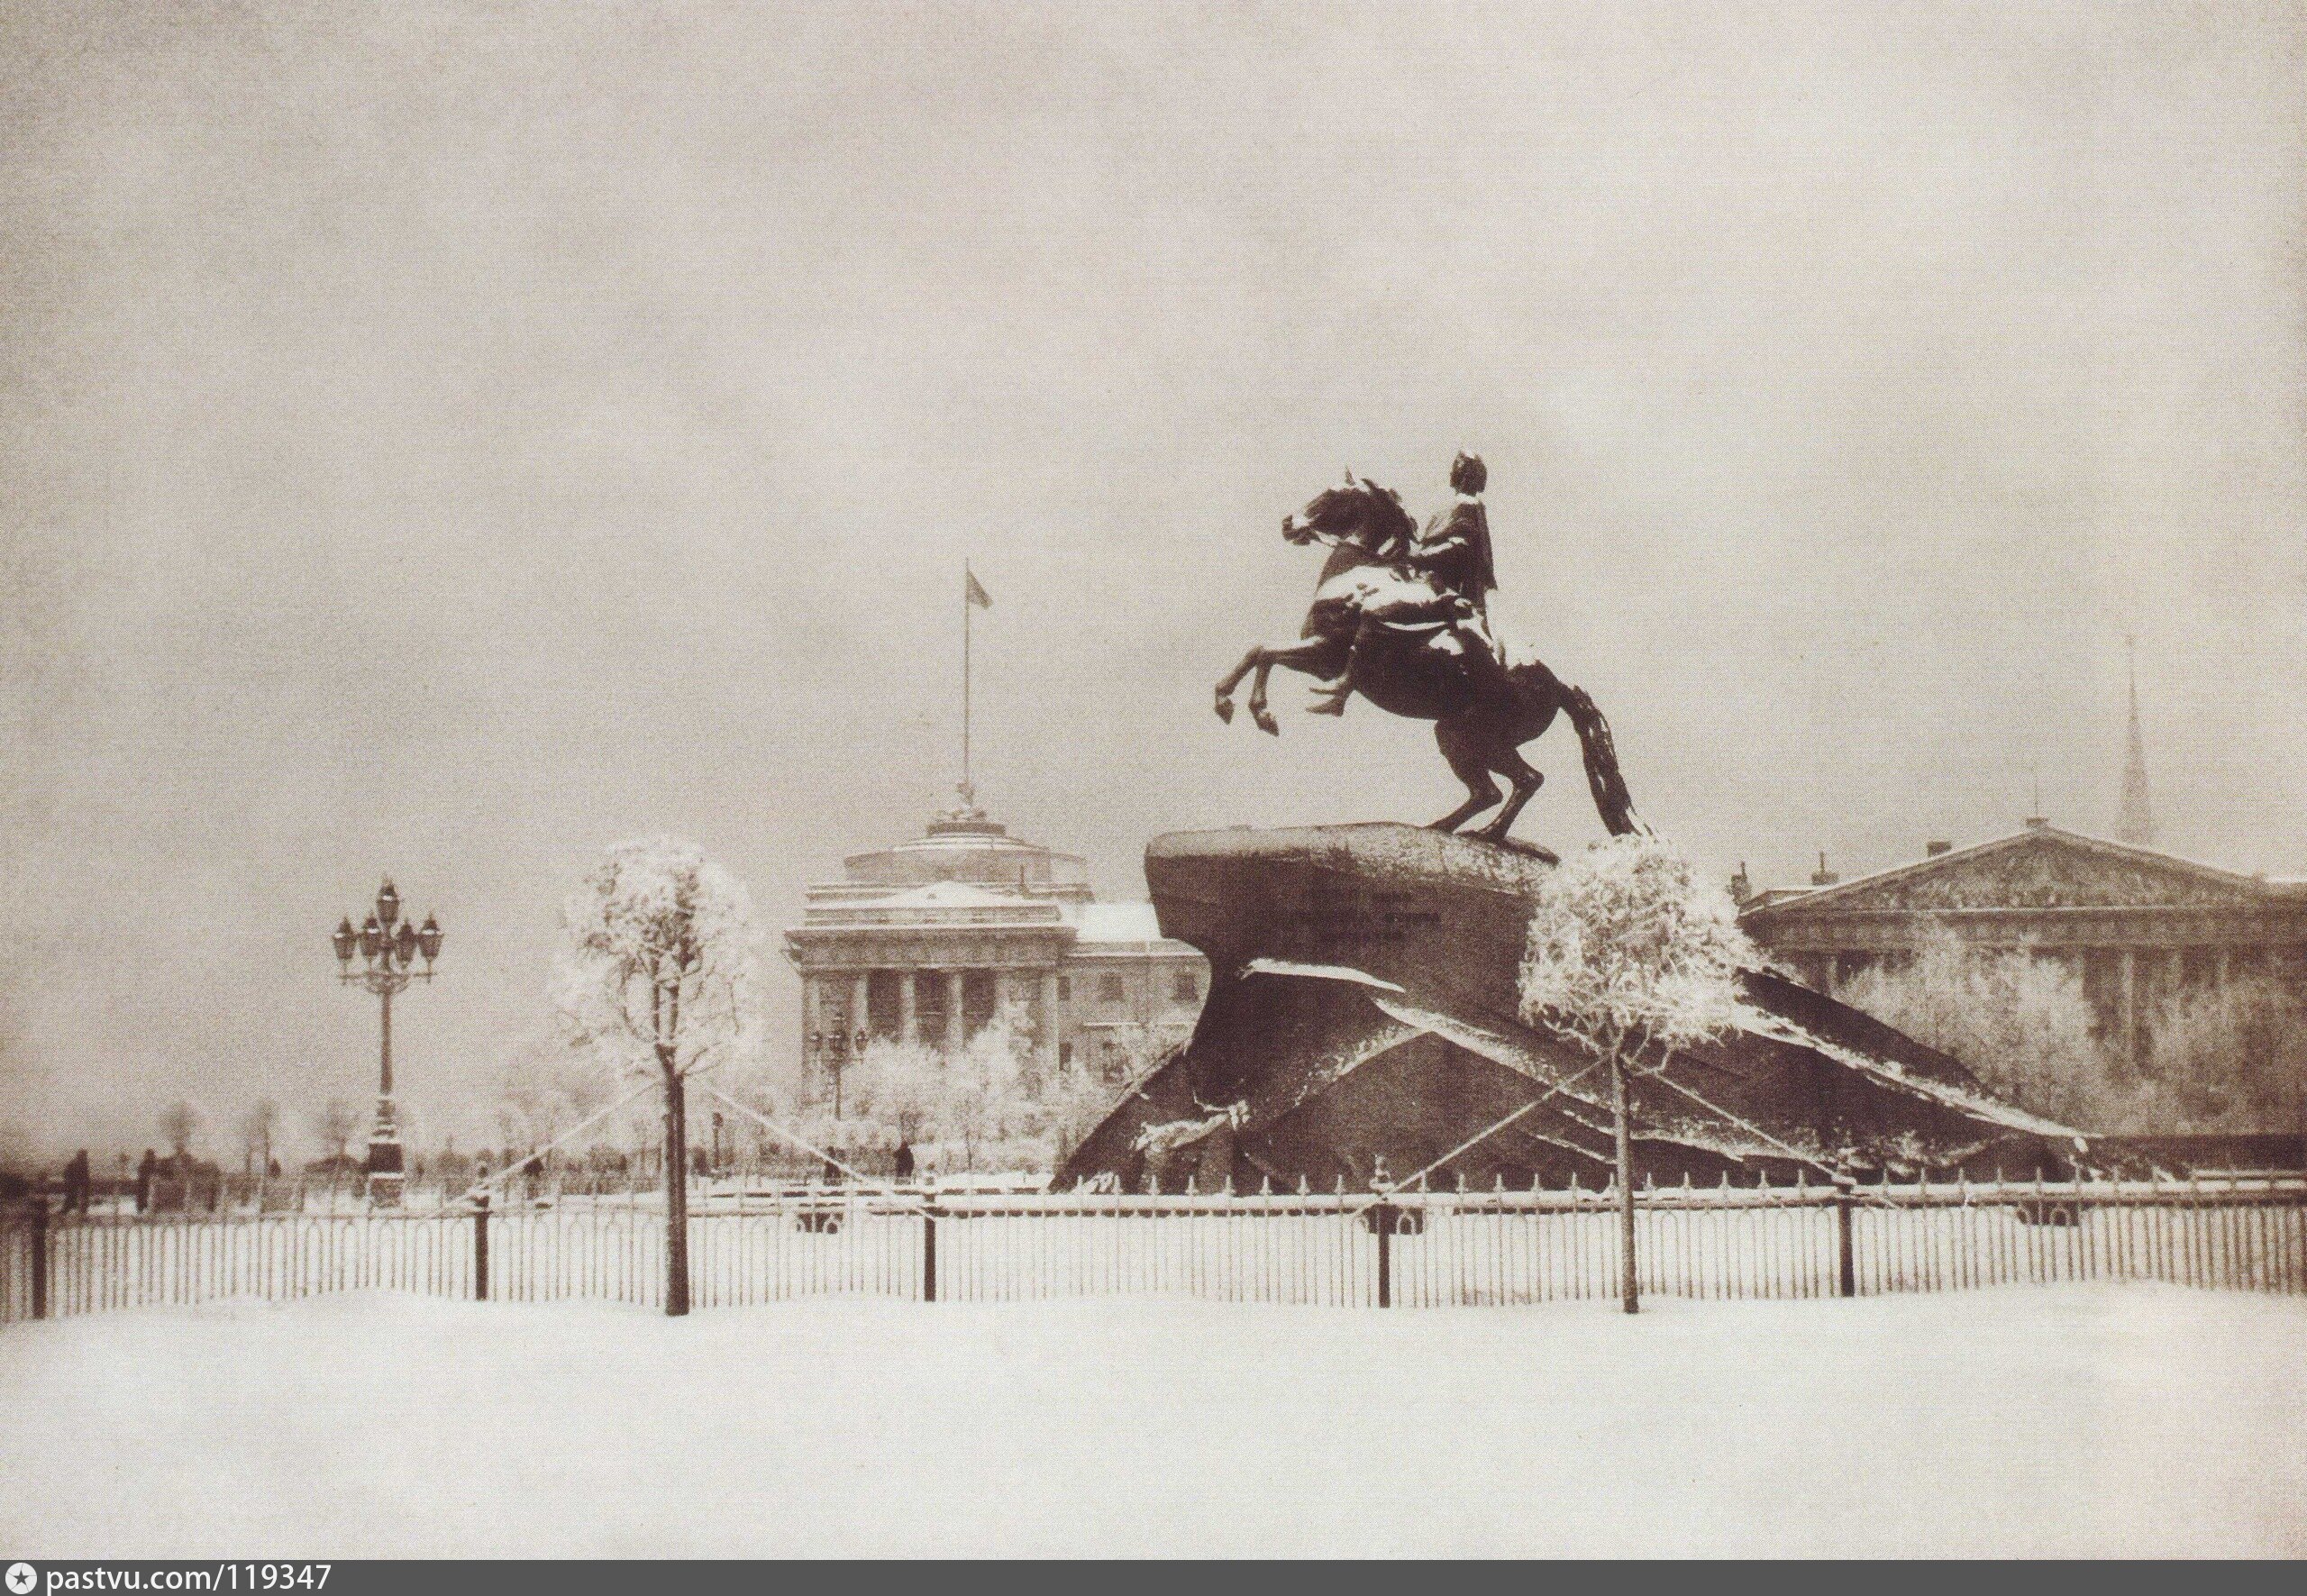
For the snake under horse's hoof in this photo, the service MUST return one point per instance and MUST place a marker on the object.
(1516, 845)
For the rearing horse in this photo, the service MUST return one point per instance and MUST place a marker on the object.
(1411, 671)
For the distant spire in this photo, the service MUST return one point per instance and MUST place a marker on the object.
(2135, 823)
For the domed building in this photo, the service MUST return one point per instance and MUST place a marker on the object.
(928, 941)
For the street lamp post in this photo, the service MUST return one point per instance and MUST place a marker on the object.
(836, 1052)
(389, 946)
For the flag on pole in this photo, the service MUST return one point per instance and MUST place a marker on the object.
(974, 591)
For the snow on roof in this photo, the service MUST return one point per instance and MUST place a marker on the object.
(1118, 922)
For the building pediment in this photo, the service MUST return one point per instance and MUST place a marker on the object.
(2040, 868)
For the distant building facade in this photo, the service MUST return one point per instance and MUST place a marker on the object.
(929, 940)
(2138, 926)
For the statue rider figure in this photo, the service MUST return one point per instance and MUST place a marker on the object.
(1454, 554)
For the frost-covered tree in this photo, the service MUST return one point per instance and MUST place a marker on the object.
(179, 1124)
(897, 1089)
(983, 1100)
(334, 1127)
(1629, 944)
(258, 1128)
(912, 1093)
(547, 1085)
(1629, 949)
(660, 970)
(986, 1091)
(2230, 1058)
(2021, 1024)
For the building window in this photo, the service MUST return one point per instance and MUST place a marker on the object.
(1185, 986)
(1065, 1055)
(1066, 988)
(1110, 990)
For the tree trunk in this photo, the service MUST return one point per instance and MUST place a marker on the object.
(1627, 1287)
(676, 1195)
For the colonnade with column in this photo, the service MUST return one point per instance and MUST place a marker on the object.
(930, 1008)
(2127, 983)
(2139, 979)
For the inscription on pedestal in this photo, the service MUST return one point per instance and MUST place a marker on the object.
(1343, 915)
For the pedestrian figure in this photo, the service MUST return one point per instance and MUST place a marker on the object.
(76, 1182)
(145, 1170)
(905, 1160)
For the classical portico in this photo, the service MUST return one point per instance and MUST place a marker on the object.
(928, 941)
(930, 965)
(2139, 926)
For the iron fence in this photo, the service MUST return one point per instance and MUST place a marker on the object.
(756, 1243)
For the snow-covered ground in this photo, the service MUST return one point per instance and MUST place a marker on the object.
(2133, 1418)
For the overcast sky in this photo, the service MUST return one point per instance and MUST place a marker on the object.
(450, 438)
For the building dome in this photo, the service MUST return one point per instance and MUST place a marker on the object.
(965, 846)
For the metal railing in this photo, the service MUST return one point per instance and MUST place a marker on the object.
(752, 1242)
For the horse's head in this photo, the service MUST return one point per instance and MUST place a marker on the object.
(1359, 513)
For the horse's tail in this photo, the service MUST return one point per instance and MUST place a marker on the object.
(1603, 778)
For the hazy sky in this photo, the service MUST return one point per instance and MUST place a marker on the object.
(450, 438)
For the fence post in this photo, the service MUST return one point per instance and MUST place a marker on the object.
(928, 1254)
(39, 1255)
(676, 1191)
(1845, 1255)
(1384, 1214)
(480, 1248)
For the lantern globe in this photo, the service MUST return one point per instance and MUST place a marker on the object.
(428, 939)
(372, 937)
(388, 904)
(345, 939)
(405, 944)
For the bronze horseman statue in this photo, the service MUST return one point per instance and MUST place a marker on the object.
(1401, 616)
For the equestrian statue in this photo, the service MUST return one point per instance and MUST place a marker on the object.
(1401, 616)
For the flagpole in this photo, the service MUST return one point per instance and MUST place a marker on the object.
(969, 794)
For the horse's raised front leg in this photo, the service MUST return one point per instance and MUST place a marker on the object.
(1233, 679)
(1311, 656)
